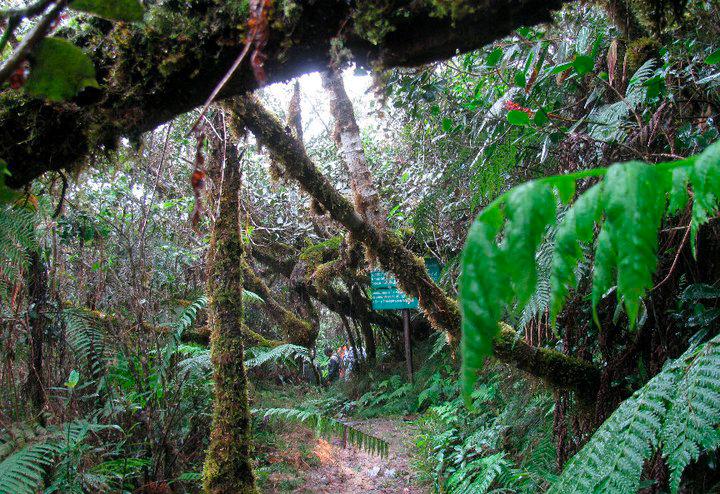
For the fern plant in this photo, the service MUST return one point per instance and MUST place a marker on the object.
(85, 338)
(25, 469)
(284, 352)
(17, 237)
(676, 412)
(328, 427)
(628, 204)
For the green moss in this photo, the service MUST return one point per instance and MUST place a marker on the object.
(640, 51)
(315, 253)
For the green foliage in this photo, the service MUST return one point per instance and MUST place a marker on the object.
(628, 205)
(23, 471)
(60, 70)
(118, 10)
(86, 339)
(17, 236)
(676, 412)
(328, 427)
(286, 352)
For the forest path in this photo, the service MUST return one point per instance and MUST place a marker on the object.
(349, 470)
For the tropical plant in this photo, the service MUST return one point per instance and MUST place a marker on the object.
(676, 413)
(628, 205)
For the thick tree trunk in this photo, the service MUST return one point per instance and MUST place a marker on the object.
(348, 140)
(227, 464)
(38, 291)
(555, 368)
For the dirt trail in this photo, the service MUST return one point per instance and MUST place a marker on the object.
(353, 471)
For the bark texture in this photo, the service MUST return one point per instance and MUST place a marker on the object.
(150, 73)
(347, 138)
(38, 293)
(227, 464)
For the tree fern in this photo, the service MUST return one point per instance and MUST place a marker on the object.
(676, 412)
(498, 263)
(328, 427)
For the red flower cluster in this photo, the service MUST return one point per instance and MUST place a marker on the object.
(19, 77)
(512, 106)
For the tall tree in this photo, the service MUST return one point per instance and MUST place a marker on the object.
(227, 464)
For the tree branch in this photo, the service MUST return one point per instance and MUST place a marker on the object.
(149, 74)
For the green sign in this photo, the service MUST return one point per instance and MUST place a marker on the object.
(387, 296)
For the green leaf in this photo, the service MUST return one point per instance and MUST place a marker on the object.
(565, 186)
(520, 80)
(541, 118)
(447, 124)
(583, 64)
(561, 67)
(634, 199)
(518, 117)
(603, 269)
(59, 70)
(73, 379)
(529, 208)
(678, 191)
(713, 58)
(705, 179)
(576, 227)
(494, 58)
(116, 10)
(482, 286)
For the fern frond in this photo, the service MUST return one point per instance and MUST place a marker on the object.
(17, 237)
(280, 352)
(498, 262)
(24, 471)
(676, 412)
(328, 427)
(85, 338)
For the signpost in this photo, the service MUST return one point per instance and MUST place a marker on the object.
(387, 296)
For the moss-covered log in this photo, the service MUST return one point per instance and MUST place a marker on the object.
(152, 72)
(555, 368)
(227, 464)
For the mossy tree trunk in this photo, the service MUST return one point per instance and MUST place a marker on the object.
(38, 291)
(227, 464)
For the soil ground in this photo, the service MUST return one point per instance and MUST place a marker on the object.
(339, 470)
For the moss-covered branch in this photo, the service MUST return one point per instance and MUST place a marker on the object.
(413, 278)
(555, 368)
(297, 331)
(558, 370)
(152, 72)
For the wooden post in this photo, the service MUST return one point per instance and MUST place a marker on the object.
(408, 346)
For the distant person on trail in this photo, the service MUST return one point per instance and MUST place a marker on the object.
(333, 366)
